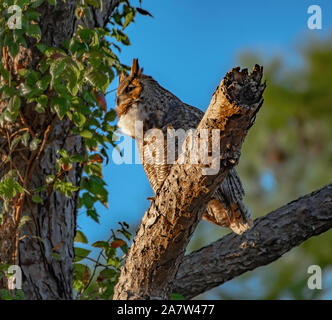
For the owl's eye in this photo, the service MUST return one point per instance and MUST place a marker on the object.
(129, 88)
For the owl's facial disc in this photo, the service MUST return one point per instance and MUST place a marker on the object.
(128, 94)
(129, 89)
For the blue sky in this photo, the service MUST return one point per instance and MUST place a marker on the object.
(188, 47)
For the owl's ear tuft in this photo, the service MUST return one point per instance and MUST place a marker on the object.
(134, 68)
(121, 77)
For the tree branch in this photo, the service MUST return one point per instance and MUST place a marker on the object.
(168, 225)
(271, 236)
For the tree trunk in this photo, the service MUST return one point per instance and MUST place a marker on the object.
(43, 247)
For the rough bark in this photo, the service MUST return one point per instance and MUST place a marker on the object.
(168, 225)
(53, 223)
(271, 236)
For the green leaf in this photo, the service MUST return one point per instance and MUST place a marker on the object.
(86, 134)
(37, 3)
(66, 188)
(81, 254)
(13, 48)
(79, 119)
(80, 237)
(110, 116)
(26, 91)
(121, 37)
(144, 12)
(89, 97)
(32, 77)
(76, 158)
(14, 104)
(129, 18)
(87, 200)
(76, 46)
(101, 244)
(115, 262)
(23, 220)
(41, 103)
(97, 79)
(43, 66)
(94, 3)
(86, 34)
(79, 268)
(10, 116)
(62, 90)
(52, 2)
(5, 73)
(36, 199)
(31, 14)
(44, 82)
(96, 186)
(60, 105)
(109, 273)
(9, 188)
(42, 47)
(19, 37)
(33, 31)
(63, 153)
(93, 214)
(73, 87)
(57, 67)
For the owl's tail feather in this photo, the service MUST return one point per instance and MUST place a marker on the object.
(241, 218)
(238, 218)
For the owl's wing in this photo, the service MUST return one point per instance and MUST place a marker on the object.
(154, 163)
(227, 208)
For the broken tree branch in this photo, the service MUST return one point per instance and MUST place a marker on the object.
(159, 246)
(271, 236)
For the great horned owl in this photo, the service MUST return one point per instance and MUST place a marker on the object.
(141, 98)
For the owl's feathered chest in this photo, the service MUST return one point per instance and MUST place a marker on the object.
(127, 121)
